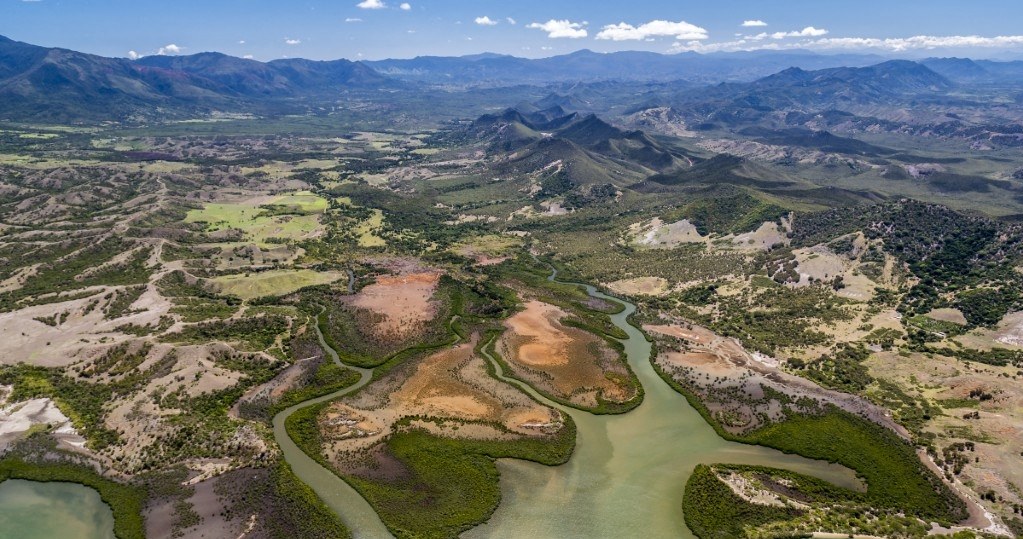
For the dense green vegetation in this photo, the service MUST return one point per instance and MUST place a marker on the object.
(896, 479)
(255, 333)
(302, 513)
(443, 486)
(713, 511)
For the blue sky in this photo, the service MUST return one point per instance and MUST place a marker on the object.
(372, 29)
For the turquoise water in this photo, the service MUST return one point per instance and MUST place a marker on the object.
(54, 510)
(628, 471)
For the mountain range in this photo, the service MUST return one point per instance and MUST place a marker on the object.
(60, 85)
(53, 84)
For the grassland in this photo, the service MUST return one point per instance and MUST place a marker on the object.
(273, 282)
(294, 216)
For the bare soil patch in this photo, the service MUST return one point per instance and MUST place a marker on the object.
(640, 286)
(717, 367)
(404, 302)
(954, 316)
(452, 385)
(567, 362)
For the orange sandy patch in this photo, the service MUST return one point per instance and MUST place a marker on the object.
(404, 301)
(704, 362)
(568, 362)
(450, 384)
(541, 340)
(436, 389)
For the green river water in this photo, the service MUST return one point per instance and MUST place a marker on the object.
(625, 478)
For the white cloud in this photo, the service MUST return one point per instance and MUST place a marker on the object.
(169, 49)
(292, 41)
(809, 31)
(561, 28)
(510, 20)
(405, 6)
(241, 42)
(753, 23)
(134, 55)
(625, 32)
(919, 42)
(371, 4)
(485, 21)
(248, 56)
(353, 19)
(899, 44)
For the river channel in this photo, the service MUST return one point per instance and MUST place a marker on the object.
(625, 478)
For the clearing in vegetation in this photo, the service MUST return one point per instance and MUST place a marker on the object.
(294, 216)
(272, 283)
(568, 363)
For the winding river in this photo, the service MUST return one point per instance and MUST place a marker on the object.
(344, 500)
(625, 478)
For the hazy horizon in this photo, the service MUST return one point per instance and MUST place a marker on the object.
(881, 56)
(386, 29)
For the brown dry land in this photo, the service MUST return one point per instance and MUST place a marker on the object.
(656, 234)
(453, 385)
(572, 364)
(640, 286)
(713, 364)
(404, 302)
(983, 406)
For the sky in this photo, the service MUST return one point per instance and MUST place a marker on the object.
(375, 29)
